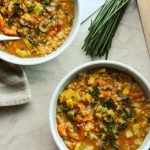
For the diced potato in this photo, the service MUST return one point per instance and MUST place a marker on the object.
(69, 93)
(38, 8)
(28, 3)
(111, 112)
(138, 111)
(76, 95)
(51, 8)
(129, 133)
(27, 43)
(27, 16)
(103, 136)
(77, 146)
(71, 114)
(61, 98)
(89, 126)
(3, 11)
(136, 129)
(60, 35)
(95, 75)
(98, 115)
(89, 148)
(138, 142)
(66, 94)
(91, 80)
(102, 70)
(119, 86)
(99, 108)
(21, 53)
(93, 136)
(88, 97)
(126, 91)
(69, 103)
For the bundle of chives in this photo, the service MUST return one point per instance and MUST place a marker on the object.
(103, 28)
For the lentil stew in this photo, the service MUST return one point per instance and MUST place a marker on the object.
(103, 109)
(43, 25)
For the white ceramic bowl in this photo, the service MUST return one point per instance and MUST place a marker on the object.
(33, 61)
(68, 78)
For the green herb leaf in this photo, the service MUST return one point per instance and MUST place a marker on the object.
(27, 24)
(10, 21)
(47, 2)
(122, 126)
(30, 9)
(95, 92)
(108, 104)
(125, 100)
(32, 41)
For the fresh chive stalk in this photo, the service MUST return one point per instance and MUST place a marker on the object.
(103, 28)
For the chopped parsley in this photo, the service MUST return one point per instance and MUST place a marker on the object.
(32, 41)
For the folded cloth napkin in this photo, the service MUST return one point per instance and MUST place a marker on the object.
(14, 87)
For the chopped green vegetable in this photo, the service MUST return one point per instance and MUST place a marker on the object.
(110, 139)
(10, 21)
(103, 28)
(95, 92)
(102, 148)
(109, 104)
(148, 118)
(31, 8)
(71, 114)
(122, 126)
(32, 41)
(38, 32)
(27, 24)
(125, 100)
(93, 104)
(17, 8)
(47, 2)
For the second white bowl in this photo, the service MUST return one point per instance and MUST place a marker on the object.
(68, 78)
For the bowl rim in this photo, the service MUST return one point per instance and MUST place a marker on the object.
(54, 99)
(39, 60)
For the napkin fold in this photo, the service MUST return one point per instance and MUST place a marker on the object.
(14, 87)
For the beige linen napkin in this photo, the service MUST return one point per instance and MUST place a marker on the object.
(14, 88)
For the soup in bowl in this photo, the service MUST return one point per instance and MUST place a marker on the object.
(45, 27)
(101, 106)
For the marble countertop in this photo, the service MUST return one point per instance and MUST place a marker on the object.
(27, 127)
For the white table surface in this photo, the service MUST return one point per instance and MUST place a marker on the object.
(27, 127)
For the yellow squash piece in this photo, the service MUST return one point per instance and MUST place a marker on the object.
(69, 103)
(21, 53)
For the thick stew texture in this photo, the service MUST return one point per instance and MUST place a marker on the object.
(103, 109)
(43, 25)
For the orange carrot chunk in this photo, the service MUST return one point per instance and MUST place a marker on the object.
(9, 32)
(61, 130)
(2, 21)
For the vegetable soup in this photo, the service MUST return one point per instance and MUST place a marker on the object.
(43, 25)
(103, 109)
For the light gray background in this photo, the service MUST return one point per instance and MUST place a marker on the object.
(27, 127)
